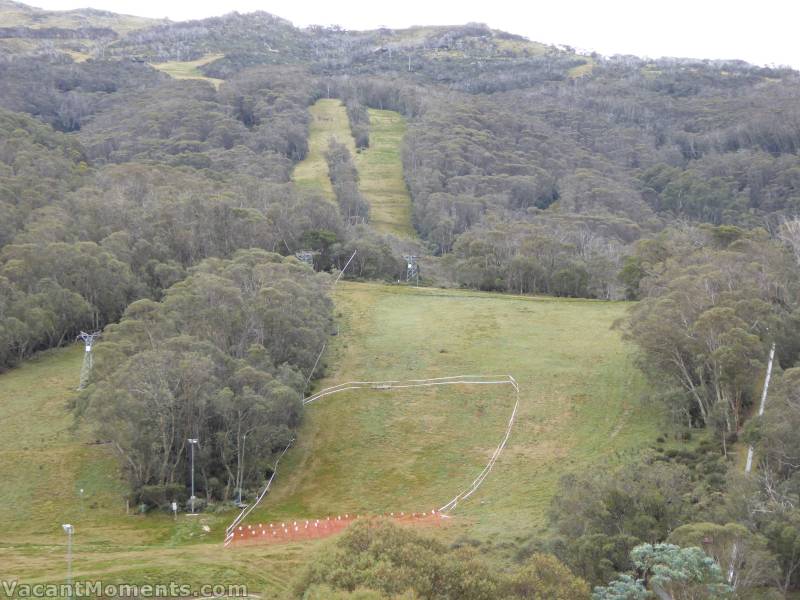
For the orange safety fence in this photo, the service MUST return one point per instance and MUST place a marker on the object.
(237, 532)
(282, 532)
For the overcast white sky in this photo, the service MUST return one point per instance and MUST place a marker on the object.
(761, 32)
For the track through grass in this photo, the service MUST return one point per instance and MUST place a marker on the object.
(328, 120)
(380, 168)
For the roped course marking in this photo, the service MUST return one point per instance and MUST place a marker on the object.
(401, 384)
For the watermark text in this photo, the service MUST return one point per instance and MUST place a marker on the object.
(100, 589)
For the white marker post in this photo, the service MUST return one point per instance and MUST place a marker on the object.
(69, 530)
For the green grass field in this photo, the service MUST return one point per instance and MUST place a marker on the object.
(328, 120)
(581, 70)
(44, 463)
(380, 167)
(414, 450)
(18, 15)
(190, 69)
(367, 451)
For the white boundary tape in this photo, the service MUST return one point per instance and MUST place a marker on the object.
(411, 383)
(229, 532)
(476, 483)
(399, 384)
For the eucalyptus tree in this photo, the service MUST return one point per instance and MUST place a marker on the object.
(223, 358)
(707, 317)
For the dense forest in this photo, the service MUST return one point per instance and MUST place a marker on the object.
(162, 212)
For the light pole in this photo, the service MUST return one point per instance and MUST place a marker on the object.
(192, 441)
(69, 530)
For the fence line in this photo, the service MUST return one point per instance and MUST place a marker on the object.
(450, 506)
(314, 368)
(404, 384)
(248, 509)
(308, 529)
(435, 381)
(388, 385)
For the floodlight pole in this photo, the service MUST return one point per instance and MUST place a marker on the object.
(192, 442)
(69, 529)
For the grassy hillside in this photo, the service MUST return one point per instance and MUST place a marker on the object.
(360, 451)
(14, 14)
(45, 462)
(380, 168)
(190, 69)
(415, 450)
(328, 120)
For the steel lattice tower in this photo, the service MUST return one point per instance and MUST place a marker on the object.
(86, 369)
(412, 268)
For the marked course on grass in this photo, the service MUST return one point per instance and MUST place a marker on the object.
(408, 449)
(237, 532)
(360, 451)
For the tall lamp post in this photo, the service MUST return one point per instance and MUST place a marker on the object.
(192, 442)
(69, 530)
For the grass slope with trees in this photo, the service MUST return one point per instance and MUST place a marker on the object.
(167, 211)
(406, 451)
(380, 168)
(328, 120)
(46, 462)
(414, 450)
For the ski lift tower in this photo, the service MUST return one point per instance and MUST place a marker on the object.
(412, 269)
(306, 256)
(86, 369)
